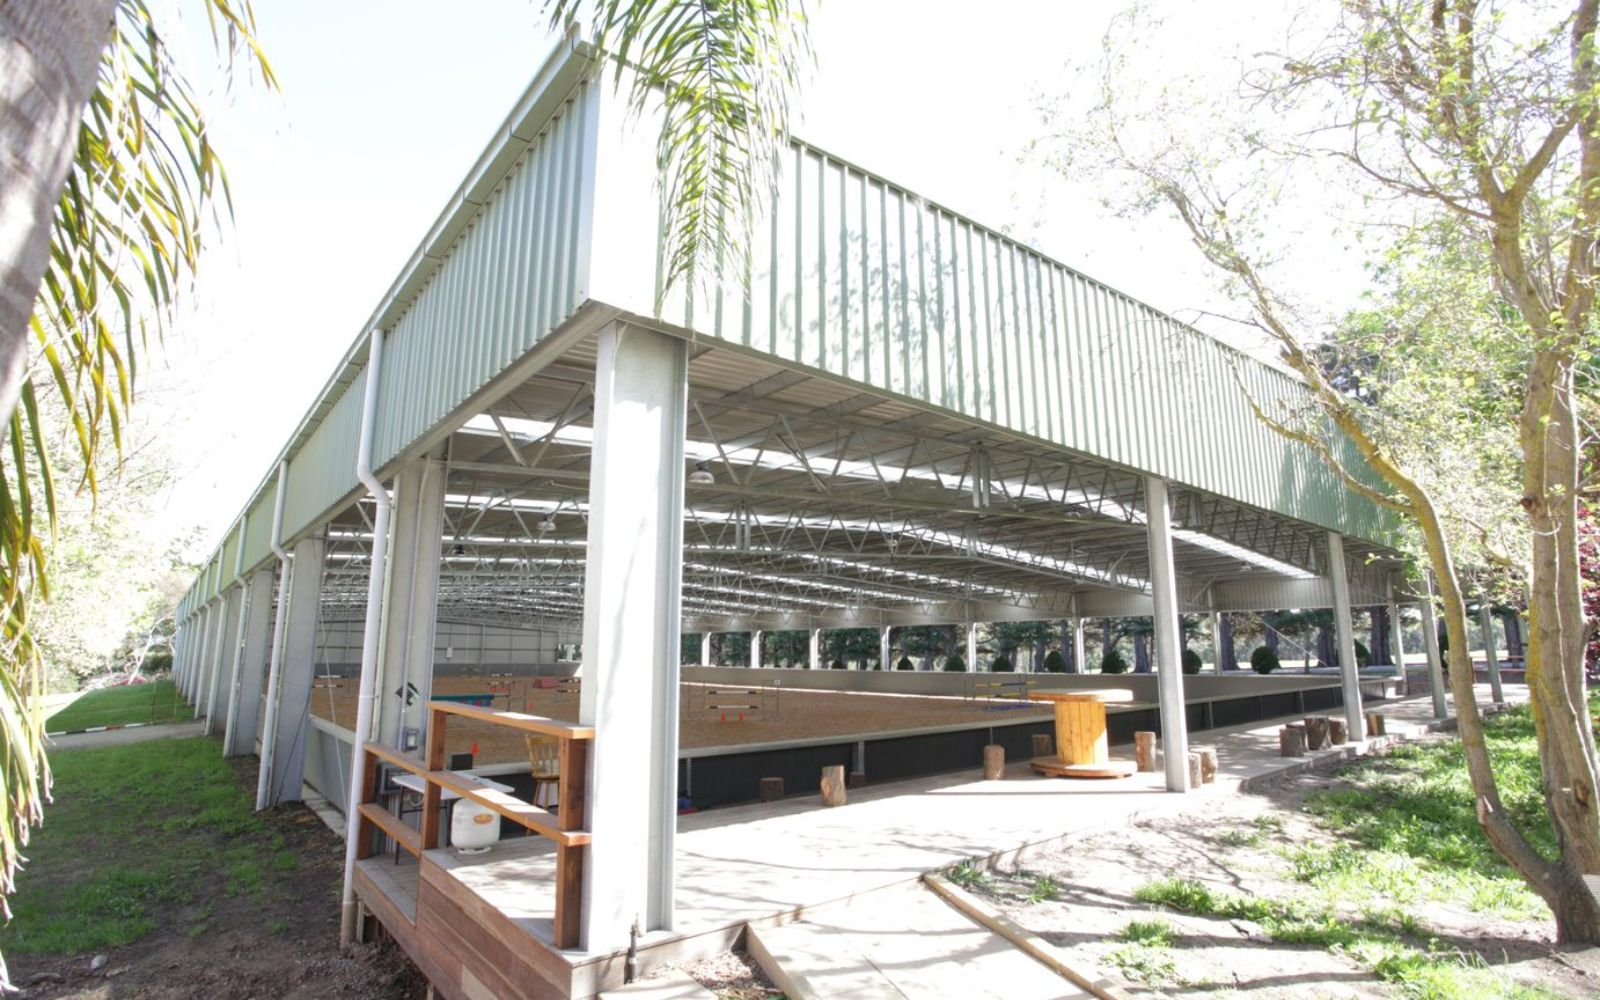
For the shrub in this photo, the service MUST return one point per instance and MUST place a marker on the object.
(905, 664)
(836, 665)
(1054, 662)
(1113, 663)
(877, 666)
(1363, 655)
(1191, 661)
(1264, 660)
(954, 664)
(1001, 664)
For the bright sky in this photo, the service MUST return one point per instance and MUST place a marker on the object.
(386, 103)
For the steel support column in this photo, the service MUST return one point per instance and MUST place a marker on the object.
(1430, 644)
(631, 615)
(1397, 639)
(1169, 638)
(405, 678)
(1486, 626)
(816, 649)
(1345, 635)
(292, 717)
(705, 648)
(244, 695)
(884, 649)
(755, 650)
(972, 646)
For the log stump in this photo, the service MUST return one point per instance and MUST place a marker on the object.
(994, 762)
(1292, 741)
(1196, 770)
(1044, 745)
(1144, 750)
(1375, 725)
(1316, 732)
(1208, 764)
(833, 785)
(1338, 731)
(771, 789)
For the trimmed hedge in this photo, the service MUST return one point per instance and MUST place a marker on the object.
(1191, 661)
(1113, 663)
(1054, 662)
(1001, 665)
(905, 664)
(1264, 660)
(954, 664)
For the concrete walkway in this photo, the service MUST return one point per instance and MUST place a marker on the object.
(125, 736)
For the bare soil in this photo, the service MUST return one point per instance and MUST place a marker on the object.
(285, 945)
(1238, 848)
(779, 713)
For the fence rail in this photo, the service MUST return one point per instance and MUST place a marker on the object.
(564, 827)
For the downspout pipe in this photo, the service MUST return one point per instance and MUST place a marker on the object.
(370, 638)
(269, 725)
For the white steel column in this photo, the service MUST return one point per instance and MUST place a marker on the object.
(410, 616)
(197, 674)
(292, 715)
(972, 646)
(884, 651)
(1486, 626)
(1080, 653)
(244, 700)
(222, 666)
(705, 649)
(280, 619)
(631, 613)
(816, 649)
(1397, 639)
(216, 611)
(1345, 636)
(1169, 638)
(1430, 644)
(755, 650)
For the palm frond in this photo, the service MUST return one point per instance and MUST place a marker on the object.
(125, 239)
(723, 73)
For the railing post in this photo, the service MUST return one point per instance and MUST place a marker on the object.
(430, 797)
(369, 793)
(570, 789)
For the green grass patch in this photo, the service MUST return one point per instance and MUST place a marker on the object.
(1155, 933)
(120, 706)
(1411, 831)
(136, 836)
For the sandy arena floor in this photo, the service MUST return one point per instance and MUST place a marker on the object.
(782, 713)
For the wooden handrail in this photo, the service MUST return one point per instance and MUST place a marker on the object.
(515, 720)
(564, 828)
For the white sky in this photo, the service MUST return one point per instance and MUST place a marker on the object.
(386, 103)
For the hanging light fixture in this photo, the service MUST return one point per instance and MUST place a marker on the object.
(547, 524)
(701, 476)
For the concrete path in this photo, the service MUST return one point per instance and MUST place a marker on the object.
(125, 736)
(901, 943)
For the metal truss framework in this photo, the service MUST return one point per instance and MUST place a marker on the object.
(828, 506)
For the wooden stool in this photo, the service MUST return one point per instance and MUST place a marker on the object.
(1375, 725)
(1292, 741)
(994, 762)
(1044, 745)
(833, 786)
(1338, 731)
(1316, 732)
(771, 789)
(1144, 750)
(1208, 763)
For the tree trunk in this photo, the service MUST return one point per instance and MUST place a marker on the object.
(1107, 643)
(1325, 647)
(1141, 654)
(1271, 638)
(1227, 659)
(49, 61)
(1379, 644)
(1514, 649)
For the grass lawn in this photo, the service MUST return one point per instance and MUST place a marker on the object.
(141, 836)
(120, 706)
(1400, 837)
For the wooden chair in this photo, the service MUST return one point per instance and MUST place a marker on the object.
(544, 759)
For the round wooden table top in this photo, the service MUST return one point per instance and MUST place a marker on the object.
(1105, 696)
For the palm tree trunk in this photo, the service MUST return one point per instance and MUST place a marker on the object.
(49, 59)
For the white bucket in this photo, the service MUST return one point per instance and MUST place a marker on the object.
(473, 827)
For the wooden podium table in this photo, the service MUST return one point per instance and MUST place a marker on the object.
(1082, 750)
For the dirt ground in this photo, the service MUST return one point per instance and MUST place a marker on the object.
(1239, 849)
(780, 713)
(232, 955)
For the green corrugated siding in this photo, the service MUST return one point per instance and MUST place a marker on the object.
(862, 279)
(324, 469)
(507, 282)
(258, 528)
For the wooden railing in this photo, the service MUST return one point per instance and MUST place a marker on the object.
(564, 827)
